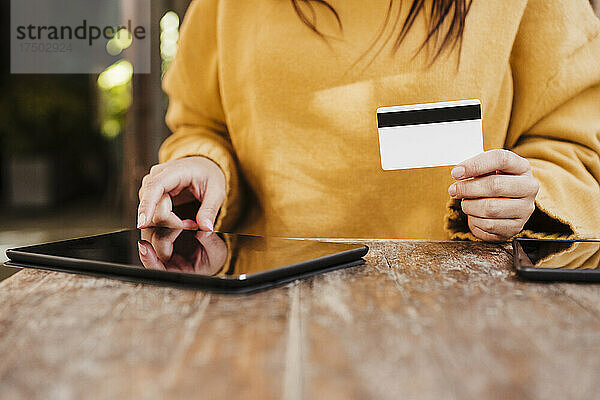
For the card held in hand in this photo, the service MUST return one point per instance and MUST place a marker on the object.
(429, 135)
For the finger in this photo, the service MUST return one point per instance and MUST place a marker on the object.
(182, 197)
(155, 169)
(146, 234)
(174, 222)
(163, 243)
(163, 215)
(189, 225)
(180, 263)
(175, 192)
(490, 162)
(483, 235)
(152, 190)
(498, 207)
(164, 234)
(515, 186)
(209, 206)
(148, 256)
(496, 229)
(216, 251)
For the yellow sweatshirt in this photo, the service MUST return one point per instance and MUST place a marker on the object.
(291, 118)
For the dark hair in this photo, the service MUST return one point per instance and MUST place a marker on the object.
(441, 10)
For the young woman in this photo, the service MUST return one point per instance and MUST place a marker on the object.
(272, 108)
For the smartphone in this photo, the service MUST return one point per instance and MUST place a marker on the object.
(557, 260)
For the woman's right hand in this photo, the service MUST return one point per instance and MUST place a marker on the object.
(177, 182)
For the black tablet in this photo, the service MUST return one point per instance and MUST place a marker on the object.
(222, 262)
(557, 260)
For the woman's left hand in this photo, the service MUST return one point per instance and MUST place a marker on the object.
(498, 193)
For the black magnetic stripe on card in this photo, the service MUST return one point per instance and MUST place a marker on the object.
(428, 116)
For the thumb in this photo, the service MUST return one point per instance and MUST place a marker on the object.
(210, 206)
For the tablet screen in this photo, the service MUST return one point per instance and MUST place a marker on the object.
(222, 255)
(554, 254)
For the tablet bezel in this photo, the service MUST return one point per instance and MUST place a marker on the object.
(20, 257)
(552, 274)
(247, 288)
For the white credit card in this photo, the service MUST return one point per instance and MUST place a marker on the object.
(429, 135)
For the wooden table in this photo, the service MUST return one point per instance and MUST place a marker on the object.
(422, 320)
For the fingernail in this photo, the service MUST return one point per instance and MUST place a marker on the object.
(141, 220)
(458, 172)
(190, 225)
(208, 223)
(452, 190)
(142, 249)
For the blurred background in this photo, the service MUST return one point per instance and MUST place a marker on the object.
(73, 148)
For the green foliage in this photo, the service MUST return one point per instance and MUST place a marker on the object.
(114, 104)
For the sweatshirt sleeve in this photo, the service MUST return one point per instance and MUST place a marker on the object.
(195, 114)
(555, 120)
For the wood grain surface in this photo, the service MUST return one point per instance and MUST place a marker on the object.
(421, 320)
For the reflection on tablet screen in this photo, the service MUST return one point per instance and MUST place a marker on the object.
(222, 255)
(563, 255)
